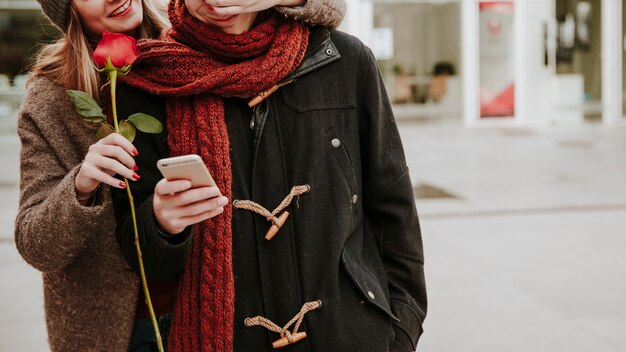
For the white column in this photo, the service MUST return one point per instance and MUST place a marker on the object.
(366, 21)
(532, 77)
(521, 47)
(469, 61)
(359, 20)
(620, 67)
(612, 48)
(350, 22)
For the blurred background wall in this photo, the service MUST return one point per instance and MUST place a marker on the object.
(529, 63)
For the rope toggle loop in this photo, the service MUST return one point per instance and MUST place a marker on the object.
(277, 222)
(286, 337)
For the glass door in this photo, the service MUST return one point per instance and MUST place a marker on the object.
(418, 47)
(624, 59)
(578, 83)
(496, 61)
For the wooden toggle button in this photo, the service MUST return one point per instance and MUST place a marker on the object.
(282, 342)
(261, 96)
(275, 227)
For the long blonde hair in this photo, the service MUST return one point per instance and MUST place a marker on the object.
(68, 61)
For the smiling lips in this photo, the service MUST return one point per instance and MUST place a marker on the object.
(123, 9)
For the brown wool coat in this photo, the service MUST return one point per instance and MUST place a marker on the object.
(90, 293)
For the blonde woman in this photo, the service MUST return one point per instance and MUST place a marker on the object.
(65, 223)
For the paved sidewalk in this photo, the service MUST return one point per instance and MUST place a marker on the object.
(22, 326)
(525, 254)
(530, 256)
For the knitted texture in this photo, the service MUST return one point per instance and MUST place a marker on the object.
(195, 65)
(57, 11)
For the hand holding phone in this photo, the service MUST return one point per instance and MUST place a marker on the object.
(187, 195)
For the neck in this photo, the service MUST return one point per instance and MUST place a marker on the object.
(243, 24)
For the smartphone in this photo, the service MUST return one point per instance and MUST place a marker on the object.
(186, 167)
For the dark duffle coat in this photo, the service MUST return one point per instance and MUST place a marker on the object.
(353, 242)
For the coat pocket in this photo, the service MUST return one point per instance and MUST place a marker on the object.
(369, 286)
(339, 152)
(309, 94)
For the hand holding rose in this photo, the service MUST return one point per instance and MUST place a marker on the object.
(111, 155)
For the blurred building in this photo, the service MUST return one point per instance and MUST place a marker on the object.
(22, 30)
(524, 62)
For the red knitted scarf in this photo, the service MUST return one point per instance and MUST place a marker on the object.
(195, 64)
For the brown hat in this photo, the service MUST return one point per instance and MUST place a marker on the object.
(57, 11)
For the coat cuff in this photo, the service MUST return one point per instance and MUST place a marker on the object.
(408, 329)
(173, 240)
(164, 254)
(402, 341)
(51, 233)
(68, 223)
(96, 207)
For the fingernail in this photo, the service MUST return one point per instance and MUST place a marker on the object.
(136, 177)
(122, 184)
(135, 168)
(135, 152)
(223, 201)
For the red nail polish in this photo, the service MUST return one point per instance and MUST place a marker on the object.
(136, 177)
(122, 184)
(135, 168)
(135, 152)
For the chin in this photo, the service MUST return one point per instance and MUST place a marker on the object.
(127, 26)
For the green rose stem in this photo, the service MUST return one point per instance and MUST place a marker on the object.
(113, 82)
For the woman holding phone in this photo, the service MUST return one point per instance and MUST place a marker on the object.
(64, 226)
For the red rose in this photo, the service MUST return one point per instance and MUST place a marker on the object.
(121, 48)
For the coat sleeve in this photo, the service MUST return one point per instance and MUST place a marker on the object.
(390, 208)
(327, 13)
(51, 226)
(163, 255)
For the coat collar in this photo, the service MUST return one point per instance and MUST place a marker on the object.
(320, 52)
